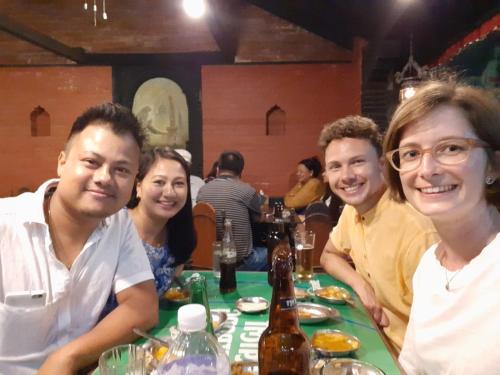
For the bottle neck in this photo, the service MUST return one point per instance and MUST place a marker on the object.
(283, 310)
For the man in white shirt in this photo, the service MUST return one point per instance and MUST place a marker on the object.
(67, 246)
(195, 182)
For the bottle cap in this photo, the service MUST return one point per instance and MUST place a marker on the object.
(192, 317)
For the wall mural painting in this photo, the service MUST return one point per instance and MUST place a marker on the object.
(161, 107)
(479, 62)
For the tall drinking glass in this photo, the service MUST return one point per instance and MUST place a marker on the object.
(304, 247)
(216, 252)
(123, 360)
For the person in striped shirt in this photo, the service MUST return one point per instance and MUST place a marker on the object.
(238, 201)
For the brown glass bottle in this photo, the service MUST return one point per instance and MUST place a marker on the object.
(276, 235)
(284, 348)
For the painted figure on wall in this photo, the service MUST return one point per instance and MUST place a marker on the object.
(161, 107)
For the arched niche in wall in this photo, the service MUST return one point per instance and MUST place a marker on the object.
(161, 107)
(275, 121)
(40, 122)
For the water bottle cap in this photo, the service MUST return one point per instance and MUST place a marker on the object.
(192, 317)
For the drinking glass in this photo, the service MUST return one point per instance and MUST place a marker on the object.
(216, 252)
(123, 360)
(304, 247)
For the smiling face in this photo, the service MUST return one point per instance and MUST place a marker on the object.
(97, 172)
(354, 172)
(444, 191)
(303, 174)
(163, 190)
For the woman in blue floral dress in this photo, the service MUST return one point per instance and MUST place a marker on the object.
(162, 214)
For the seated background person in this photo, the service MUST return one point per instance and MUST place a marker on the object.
(309, 187)
(241, 204)
(70, 243)
(195, 182)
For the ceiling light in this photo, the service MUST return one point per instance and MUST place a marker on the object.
(194, 8)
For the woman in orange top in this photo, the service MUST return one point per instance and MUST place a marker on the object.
(309, 187)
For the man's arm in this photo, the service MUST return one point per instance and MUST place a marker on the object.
(137, 307)
(335, 265)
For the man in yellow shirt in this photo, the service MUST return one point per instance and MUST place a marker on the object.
(385, 239)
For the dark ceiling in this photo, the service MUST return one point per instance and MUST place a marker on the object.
(48, 32)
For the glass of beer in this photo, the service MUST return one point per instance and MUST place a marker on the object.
(304, 247)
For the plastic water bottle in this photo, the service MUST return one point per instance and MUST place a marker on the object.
(194, 351)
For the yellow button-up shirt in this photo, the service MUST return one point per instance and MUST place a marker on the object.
(386, 244)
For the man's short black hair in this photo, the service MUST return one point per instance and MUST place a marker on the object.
(231, 161)
(121, 119)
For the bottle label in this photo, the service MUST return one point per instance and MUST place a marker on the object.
(288, 303)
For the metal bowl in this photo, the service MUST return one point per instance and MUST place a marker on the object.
(333, 294)
(310, 313)
(301, 294)
(342, 366)
(252, 305)
(218, 320)
(244, 368)
(334, 343)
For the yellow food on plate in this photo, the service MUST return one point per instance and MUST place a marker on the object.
(332, 292)
(175, 294)
(334, 342)
(305, 314)
(159, 352)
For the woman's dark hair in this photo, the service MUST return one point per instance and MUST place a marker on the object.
(313, 164)
(180, 229)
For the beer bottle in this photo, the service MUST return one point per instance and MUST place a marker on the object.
(227, 282)
(277, 234)
(198, 294)
(284, 348)
(278, 211)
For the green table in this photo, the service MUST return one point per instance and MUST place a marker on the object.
(240, 335)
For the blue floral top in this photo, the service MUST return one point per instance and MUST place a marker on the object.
(162, 265)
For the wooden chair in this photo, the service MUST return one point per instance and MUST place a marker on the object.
(204, 225)
(321, 224)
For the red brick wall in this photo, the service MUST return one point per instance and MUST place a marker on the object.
(64, 92)
(234, 106)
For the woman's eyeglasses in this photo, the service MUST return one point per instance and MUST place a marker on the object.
(448, 152)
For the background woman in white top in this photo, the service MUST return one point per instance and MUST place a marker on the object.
(442, 146)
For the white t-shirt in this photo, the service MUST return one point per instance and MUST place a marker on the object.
(196, 184)
(113, 258)
(457, 331)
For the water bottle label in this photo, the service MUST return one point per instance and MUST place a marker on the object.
(288, 303)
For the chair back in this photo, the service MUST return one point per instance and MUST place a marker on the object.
(317, 207)
(321, 224)
(204, 225)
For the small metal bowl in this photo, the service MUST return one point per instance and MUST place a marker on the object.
(174, 298)
(301, 294)
(334, 343)
(333, 294)
(252, 305)
(245, 368)
(341, 366)
(310, 313)
(218, 320)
